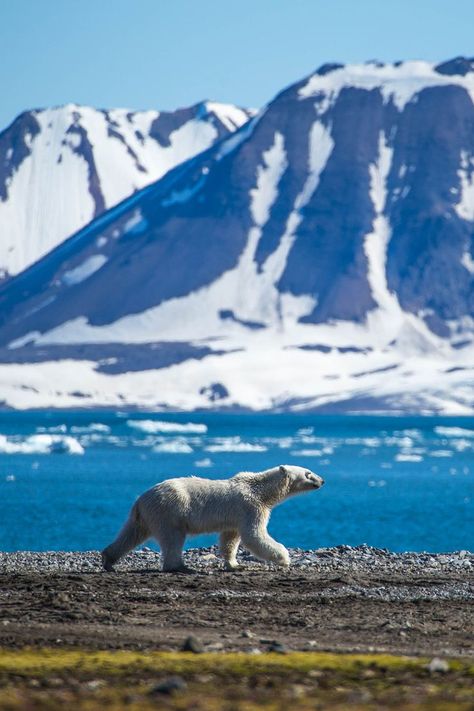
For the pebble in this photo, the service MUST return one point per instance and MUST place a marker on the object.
(344, 562)
(247, 634)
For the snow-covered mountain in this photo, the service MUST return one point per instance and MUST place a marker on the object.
(61, 167)
(321, 257)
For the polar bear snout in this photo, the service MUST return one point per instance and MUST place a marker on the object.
(314, 480)
(302, 479)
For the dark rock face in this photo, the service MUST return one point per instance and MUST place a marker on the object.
(195, 222)
(15, 146)
(458, 65)
(114, 358)
(340, 214)
(85, 150)
(424, 266)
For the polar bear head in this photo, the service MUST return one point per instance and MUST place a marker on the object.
(300, 479)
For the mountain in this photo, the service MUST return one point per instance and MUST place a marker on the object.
(321, 257)
(62, 167)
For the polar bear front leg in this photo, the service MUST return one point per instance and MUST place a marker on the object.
(257, 540)
(228, 544)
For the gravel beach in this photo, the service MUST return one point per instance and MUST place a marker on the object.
(337, 599)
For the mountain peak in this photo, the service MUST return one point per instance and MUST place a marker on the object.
(60, 167)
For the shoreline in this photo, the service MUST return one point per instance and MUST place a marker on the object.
(359, 600)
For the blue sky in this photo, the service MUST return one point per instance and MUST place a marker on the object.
(164, 54)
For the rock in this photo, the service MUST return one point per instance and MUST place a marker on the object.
(192, 644)
(277, 647)
(168, 687)
(438, 665)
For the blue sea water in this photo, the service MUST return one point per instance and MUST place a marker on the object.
(403, 483)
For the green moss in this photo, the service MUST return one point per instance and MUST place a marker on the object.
(46, 661)
(53, 679)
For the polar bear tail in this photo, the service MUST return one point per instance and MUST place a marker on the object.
(134, 532)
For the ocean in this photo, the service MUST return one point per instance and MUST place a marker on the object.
(68, 479)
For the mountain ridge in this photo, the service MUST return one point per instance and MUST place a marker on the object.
(331, 236)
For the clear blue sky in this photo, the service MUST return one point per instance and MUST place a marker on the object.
(168, 53)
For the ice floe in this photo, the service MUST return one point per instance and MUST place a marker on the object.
(174, 446)
(154, 426)
(234, 444)
(454, 432)
(40, 444)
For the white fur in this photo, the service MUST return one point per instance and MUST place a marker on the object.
(238, 508)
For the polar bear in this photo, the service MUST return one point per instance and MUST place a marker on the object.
(238, 508)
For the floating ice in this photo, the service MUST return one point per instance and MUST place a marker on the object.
(454, 432)
(206, 462)
(234, 444)
(93, 427)
(174, 446)
(307, 453)
(153, 426)
(41, 444)
(408, 458)
(53, 428)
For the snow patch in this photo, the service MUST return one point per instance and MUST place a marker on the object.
(85, 270)
(136, 223)
(468, 262)
(232, 117)
(269, 173)
(465, 206)
(376, 242)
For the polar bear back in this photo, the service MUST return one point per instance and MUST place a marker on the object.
(195, 505)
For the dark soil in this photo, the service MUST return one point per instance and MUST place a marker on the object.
(416, 610)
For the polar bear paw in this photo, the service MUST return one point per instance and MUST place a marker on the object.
(231, 565)
(282, 557)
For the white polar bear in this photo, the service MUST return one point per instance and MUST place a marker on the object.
(238, 508)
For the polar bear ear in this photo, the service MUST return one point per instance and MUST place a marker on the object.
(283, 469)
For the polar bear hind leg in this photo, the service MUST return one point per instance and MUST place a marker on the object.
(132, 534)
(228, 544)
(171, 541)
